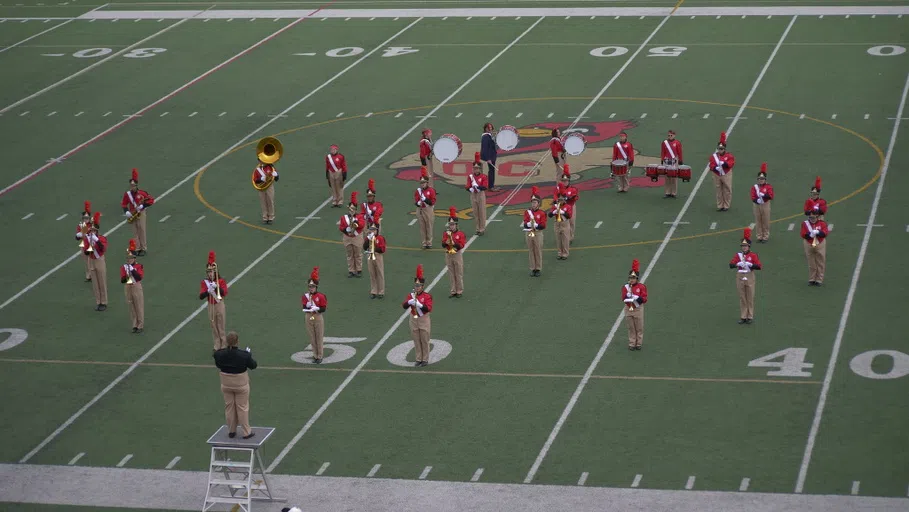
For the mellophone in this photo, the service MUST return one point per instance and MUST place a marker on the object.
(673, 170)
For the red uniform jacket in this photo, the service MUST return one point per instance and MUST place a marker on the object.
(261, 171)
(346, 222)
(617, 152)
(203, 290)
(571, 193)
(567, 211)
(820, 225)
(721, 164)
(767, 190)
(131, 202)
(340, 164)
(372, 211)
(818, 206)
(629, 291)
(477, 182)
(555, 147)
(99, 247)
(315, 301)
(380, 244)
(425, 149)
(539, 218)
(79, 231)
(671, 149)
(424, 196)
(743, 258)
(458, 240)
(138, 273)
(423, 298)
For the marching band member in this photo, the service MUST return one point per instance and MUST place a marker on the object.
(761, 195)
(420, 304)
(477, 183)
(426, 152)
(533, 225)
(814, 203)
(134, 203)
(562, 211)
(81, 230)
(314, 305)
(214, 288)
(814, 232)
(721, 163)
(352, 226)
(488, 153)
(336, 175)
(425, 199)
(371, 210)
(671, 154)
(623, 150)
(745, 263)
(571, 196)
(453, 241)
(131, 274)
(374, 246)
(557, 150)
(267, 196)
(94, 245)
(634, 295)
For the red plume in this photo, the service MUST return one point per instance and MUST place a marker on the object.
(476, 157)
(419, 271)
(535, 191)
(747, 233)
(88, 207)
(723, 138)
(566, 172)
(315, 274)
(371, 186)
(211, 257)
(97, 218)
(135, 175)
(635, 266)
(353, 197)
(817, 183)
(132, 245)
(452, 212)
(764, 167)
(423, 173)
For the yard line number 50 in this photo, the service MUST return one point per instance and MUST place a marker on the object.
(339, 349)
(873, 364)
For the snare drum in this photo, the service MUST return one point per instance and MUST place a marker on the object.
(620, 167)
(507, 138)
(574, 143)
(685, 173)
(662, 170)
(652, 171)
(447, 148)
(672, 171)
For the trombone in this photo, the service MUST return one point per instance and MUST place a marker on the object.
(217, 279)
(269, 150)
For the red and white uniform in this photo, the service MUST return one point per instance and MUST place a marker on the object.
(457, 240)
(372, 211)
(567, 210)
(761, 194)
(314, 302)
(571, 193)
(425, 150)
(818, 206)
(671, 149)
(203, 290)
(476, 183)
(422, 304)
(424, 196)
(534, 220)
(380, 244)
(347, 222)
(260, 173)
(721, 164)
(136, 270)
(136, 201)
(335, 163)
(625, 151)
(98, 244)
(79, 231)
(555, 147)
(634, 296)
(809, 229)
(745, 263)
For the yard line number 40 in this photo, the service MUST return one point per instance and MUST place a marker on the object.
(873, 364)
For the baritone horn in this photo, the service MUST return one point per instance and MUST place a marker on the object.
(269, 150)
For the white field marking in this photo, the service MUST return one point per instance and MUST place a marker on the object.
(193, 114)
(637, 480)
(744, 485)
(713, 225)
(234, 219)
(222, 114)
(425, 473)
(350, 376)
(469, 18)
(599, 223)
(675, 222)
(519, 114)
(847, 16)
(62, 216)
(907, 228)
(488, 115)
(79, 113)
(200, 218)
(733, 117)
(345, 19)
(770, 115)
(373, 471)
(873, 225)
(855, 487)
(493, 220)
(833, 116)
(612, 115)
(322, 468)
(52, 113)
(706, 115)
(368, 114)
(311, 218)
(173, 462)
(689, 485)
(751, 226)
(55, 27)
(399, 114)
(27, 216)
(252, 114)
(791, 226)
(310, 114)
(459, 115)
(339, 115)
(801, 116)
(75, 459)
(124, 460)
(643, 115)
(412, 222)
(24, 113)
(650, 266)
(547, 117)
(374, 18)
(636, 225)
(164, 114)
(476, 475)
(847, 307)
(230, 19)
(583, 479)
(163, 219)
(675, 115)
(821, 17)
(867, 116)
(53, 54)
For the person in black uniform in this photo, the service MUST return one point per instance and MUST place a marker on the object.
(233, 364)
(488, 154)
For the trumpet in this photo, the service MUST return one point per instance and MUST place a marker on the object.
(814, 242)
(559, 212)
(86, 231)
(83, 228)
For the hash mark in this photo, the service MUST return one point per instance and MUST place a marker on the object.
(193, 114)
(373, 471)
(200, 219)
(323, 468)
(612, 115)
(706, 115)
(27, 216)
(855, 487)
(713, 225)
(310, 114)
(76, 459)
(583, 478)
(643, 115)
(24, 113)
(234, 219)
(867, 116)
(550, 115)
(636, 225)
(107, 114)
(519, 114)
(164, 114)
(251, 114)
(62, 216)
(637, 480)
(346, 19)
(425, 473)
(744, 485)
(52, 113)
(599, 223)
(173, 462)
(339, 115)
(488, 115)
(124, 460)
(163, 219)
(675, 115)
(459, 115)
(399, 114)
(476, 475)
(414, 221)
(492, 19)
(690, 484)
(374, 18)
(80, 113)
(222, 114)
(229, 20)
(802, 116)
(833, 116)
(469, 18)
(770, 115)
(369, 114)
(792, 226)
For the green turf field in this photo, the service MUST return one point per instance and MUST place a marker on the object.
(530, 380)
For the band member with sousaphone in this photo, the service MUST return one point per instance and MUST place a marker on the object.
(557, 150)
(477, 184)
(131, 274)
(371, 210)
(814, 233)
(454, 241)
(420, 304)
(425, 199)
(134, 203)
(374, 248)
(562, 212)
(426, 152)
(214, 289)
(634, 295)
(815, 203)
(351, 227)
(81, 231)
(622, 160)
(314, 305)
(264, 176)
(671, 156)
(94, 245)
(571, 196)
(336, 175)
(761, 195)
(745, 264)
(721, 163)
(533, 225)
(488, 153)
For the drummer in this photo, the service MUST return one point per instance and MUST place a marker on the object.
(488, 154)
(671, 155)
(558, 151)
(426, 153)
(623, 151)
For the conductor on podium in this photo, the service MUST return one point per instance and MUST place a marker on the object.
(233, 364)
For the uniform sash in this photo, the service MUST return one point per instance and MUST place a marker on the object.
(428, 143)
(757, 191)
(533, 220)
(422, 197)
(416, 311)
(719, 165)
(622, 151)
(743, 270)
(669, 148)
(331, 162)
(310, 301)
(810, 228)
(261, 172)
(473, 182)
(132, 199)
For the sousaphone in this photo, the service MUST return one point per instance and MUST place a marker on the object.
(269, 150)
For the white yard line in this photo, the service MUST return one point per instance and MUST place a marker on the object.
(322, 469)
(583, 479)
(124, 460)
(55, 27)
(847, 307)
(476, 475)
(173, 462)
(656, 257)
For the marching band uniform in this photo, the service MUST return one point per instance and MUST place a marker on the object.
(557, 150)
(721, 163)
(671, 154)
(420, 304)
(374, 245)
(135, 202)
(336, 174)
(814, 232)
(814, 203)
(425, 199)
(533, 225)
(371, 210)
(562, 211)
(488, 153)
(94, 245)
(761, 195)
(131, 274)
(477, 183)
(314, 305)
(453, 241)
(86, 220)
(634, 295)
(426, 153)
(351, 227)
(745, 263)
(267, 196)
(571, 196)
(214, 288)
(623, 150)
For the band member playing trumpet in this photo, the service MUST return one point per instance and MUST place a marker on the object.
(814, 233)
(488, 153)
(420, 304)
(314, 305)
(671, 154)
(134, 203)
(214, 289)
(477, 183)
(561, 211)
(571, 197)
(131, 274)
(262, 174)
(453, 241)
(558, 151)
(374, 246)
(623, 150)
(761, 195)
(814, 203)
(371, 210)
(351, 227)
(426, 152)
(533, 225)
(94, 245)
(721, 163)
(634, 295)
(81, 230)
(336, 175)
(425, 199)
(745, 263)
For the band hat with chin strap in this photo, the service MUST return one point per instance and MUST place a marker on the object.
(746, 237)
(722, 144)
(763, 173)
(419, 277)
(314, 277)
(817, 185)
(131, 250)
(371, 188)
(453, 214)
(134, 179)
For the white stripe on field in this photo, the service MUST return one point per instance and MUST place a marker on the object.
(62, 216)
(855, 487)
(55, 27)
(637, 480)
(163, 219)
(425, 473)
(75, 459)
(173, 462)
(744, 485)
(373, 471)
(124, 460)
(28, 216)
(476, 475)
(200, 218)
(599, 223)
(690, 483)
(583, 479)
(322, 468)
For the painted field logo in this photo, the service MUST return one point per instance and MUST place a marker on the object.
(514, 165)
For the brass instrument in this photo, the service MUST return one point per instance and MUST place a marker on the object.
(85, 232)
(269, 150)
(132, 218)
(451, 248)
(533, 226)
(217, 280)
(372, 248)
(559, 211)
(83, 228)
(129, 279)
(814, 242)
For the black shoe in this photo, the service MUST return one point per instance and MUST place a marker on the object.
(135, 329)
(451, 296)
(232, 435)
(102, 307)
(317, 361)
(251, 434)
(424, 363)
(140, 331)
(416, 363)
(372, 295)
(631, 347)
(539, 273)
(818, 283)
(533, 273)
(748, 321)
(724, 210)
(425, 247)
(481, 233)
(140, 253)
(673, 196)
(350, 274)
(458, 295)
(719, 209)
(381, 296)
(359, 273)
(88, 279)
(811, 283)
(666, 196)
(741, 321)
(638, 347)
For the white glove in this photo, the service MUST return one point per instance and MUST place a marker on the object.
(348, 229)
(141, 207)
(411, 302)
(815, 233)
(760, 201)
(211, 287)
(628, 295)
(370, 236)
(628, 301)
(418, 304)
(749, 264)
(93, 237)
(248, 350)
(79, 235)
(740, 264)
(763, 195)
(127, 214)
